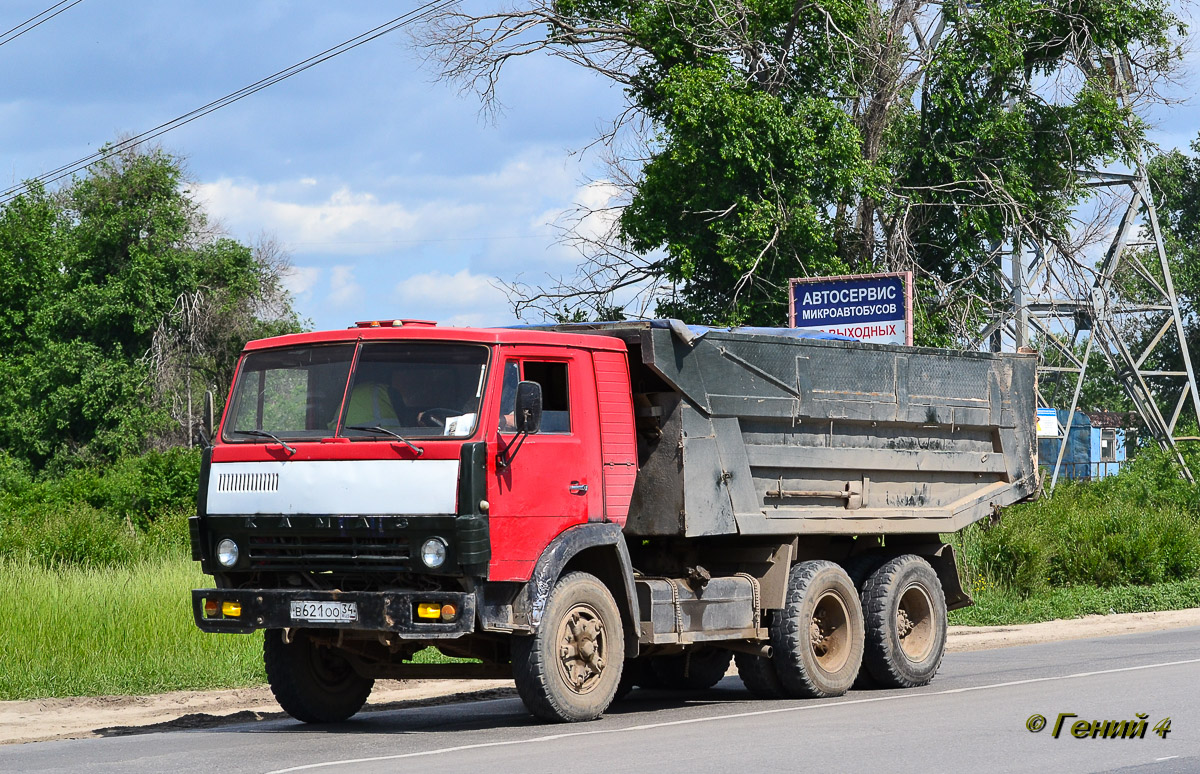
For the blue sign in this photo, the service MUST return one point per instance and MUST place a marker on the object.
(865, 307)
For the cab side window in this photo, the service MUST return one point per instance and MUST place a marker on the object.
(508, 396)
(556, 405)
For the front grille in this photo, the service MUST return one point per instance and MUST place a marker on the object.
(287, 552)
(248, 482)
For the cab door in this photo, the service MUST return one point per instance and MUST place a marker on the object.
(552, 480)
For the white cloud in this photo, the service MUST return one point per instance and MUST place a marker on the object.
(458, 291)
(422, 246)
(300, 280)
(345, 217)
(343, 290)
(458, 299)
(477, 320)
(594, 210)
(403, 213)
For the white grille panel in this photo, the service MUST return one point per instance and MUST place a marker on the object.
(329, 487)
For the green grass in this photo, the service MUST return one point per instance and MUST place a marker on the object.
(121, 630)
(1000, 607)
(80, 631)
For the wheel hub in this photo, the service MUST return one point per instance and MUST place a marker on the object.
(914, 623)
(582, 648)
(828, 633)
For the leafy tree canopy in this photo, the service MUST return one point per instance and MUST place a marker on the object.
(767, 139)
(96, 354)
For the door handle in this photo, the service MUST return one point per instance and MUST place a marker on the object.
(578, 488)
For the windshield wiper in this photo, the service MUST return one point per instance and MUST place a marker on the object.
(378, 429)
(264, 434)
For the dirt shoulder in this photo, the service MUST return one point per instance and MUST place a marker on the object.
(77, 718)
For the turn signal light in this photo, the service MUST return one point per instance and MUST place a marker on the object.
(429, 610)
(212, 608)
(449, 612)
(231, 609)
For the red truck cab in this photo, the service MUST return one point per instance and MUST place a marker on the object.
(349, 452)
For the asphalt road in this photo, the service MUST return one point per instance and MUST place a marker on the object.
(971, 718)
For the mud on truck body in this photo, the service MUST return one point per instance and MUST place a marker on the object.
(591, 508)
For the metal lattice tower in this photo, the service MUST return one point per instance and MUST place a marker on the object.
(1123, 306)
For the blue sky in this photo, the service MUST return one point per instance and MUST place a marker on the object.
(393, 196)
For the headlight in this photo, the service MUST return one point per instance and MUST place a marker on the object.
(227, 553)
(433, 552)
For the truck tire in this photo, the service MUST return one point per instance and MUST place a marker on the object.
(569, 670)
(697, 669)
(860, 567)
(818, 637)
(628, 680)
(637, 673)
(311, 682)
(759, 676)
(906, 623)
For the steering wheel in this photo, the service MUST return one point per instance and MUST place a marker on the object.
(436, 417)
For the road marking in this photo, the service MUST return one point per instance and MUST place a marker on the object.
(716, 718)
(1169, 757)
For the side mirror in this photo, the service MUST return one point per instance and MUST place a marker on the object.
(529, 407)
(205, 429)
(208, 413)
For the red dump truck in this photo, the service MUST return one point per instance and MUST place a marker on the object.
(586, 509)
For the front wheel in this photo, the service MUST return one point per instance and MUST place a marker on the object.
(312, 682)
(570, 668)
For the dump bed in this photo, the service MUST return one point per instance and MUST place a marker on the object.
(762, 433)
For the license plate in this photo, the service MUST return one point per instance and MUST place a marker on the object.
(329, 612)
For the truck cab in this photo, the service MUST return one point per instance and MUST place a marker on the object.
(390, 456)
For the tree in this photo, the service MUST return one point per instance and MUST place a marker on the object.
(91, 277)
(1175, 182)
(766, 139)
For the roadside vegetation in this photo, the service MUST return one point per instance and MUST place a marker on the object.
(97, 585)
(1129, 543)
(80, 630)
(99, 574)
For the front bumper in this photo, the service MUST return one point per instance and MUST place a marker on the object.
(381, 611)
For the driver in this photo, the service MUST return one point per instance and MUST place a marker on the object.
(406, 388)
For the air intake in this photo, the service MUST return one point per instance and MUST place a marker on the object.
(248, 482)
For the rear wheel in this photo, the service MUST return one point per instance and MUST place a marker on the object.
(569, 670)
(312, 682)
(860, 567)
(818, 637)
(906, 623)
(696, 669)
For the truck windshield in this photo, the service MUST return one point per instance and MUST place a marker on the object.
(291, 393)
(402, 388)
(415, 389)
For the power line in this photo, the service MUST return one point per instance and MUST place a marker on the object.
(80, 164)
(4, 36)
